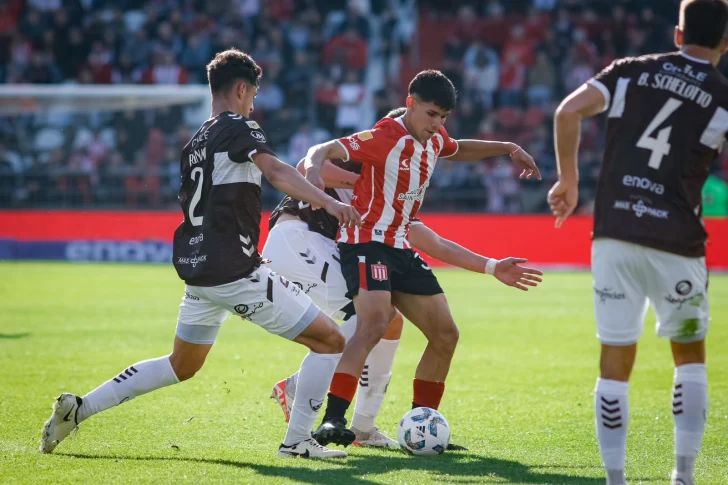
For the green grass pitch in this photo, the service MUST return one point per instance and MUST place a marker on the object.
(519, 393)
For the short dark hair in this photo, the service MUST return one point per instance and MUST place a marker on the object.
(434, 87)
(229, 67)
(397, 112)
(704, 22)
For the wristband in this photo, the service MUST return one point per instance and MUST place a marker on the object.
(490, 266)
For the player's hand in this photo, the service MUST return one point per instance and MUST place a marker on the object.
(313, 175)
(524, 161)
(345, 214)
(510, 272)
(563, 198)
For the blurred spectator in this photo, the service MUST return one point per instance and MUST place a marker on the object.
(541, 81)
(165, 70)
(519, 47)
(350, 96)
(512, 81)
(348, 49)
(482, 80)
(511, 61)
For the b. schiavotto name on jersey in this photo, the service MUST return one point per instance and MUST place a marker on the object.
(667, 122)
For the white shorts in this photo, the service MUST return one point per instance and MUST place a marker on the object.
(311, 261)
(265, 298)
(628, 277)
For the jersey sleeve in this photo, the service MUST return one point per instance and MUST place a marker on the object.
(449, 146)
(248, 138)
(369, 147)
(606, 80)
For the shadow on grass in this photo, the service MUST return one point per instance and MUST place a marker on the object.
(10, 336)
(448, 468)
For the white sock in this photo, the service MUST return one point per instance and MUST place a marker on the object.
(135, 380)
(611, 405)
(314, 379)
(348, 327)
(689, 411)
(373, 384)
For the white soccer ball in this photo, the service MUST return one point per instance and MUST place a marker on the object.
(424, 431)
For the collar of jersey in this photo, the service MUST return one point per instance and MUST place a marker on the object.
(694, 59)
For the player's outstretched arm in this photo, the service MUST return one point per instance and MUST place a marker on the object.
(287, 179)
(315, 158)
(581, 104)
(508, 271)
(334, 177)
(473, 150)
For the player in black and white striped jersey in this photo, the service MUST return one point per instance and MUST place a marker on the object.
(215, 253)
(667, 122)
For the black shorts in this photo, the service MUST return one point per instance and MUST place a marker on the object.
(376, 266)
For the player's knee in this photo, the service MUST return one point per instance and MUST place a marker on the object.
(446, 339)
(372, 328)
(184, 368)
(616, 361)
(336, 342)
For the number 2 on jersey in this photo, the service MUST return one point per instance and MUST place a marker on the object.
(659, 146)
(196, 220)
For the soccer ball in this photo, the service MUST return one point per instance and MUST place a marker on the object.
(424, 431)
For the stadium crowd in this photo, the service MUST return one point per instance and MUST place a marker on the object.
(512, 62)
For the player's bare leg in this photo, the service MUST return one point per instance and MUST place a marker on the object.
(143, 377)
(374, 312)
(373, 387)
(431, 314)
(326, 343)
(689, 407)
(611, 407)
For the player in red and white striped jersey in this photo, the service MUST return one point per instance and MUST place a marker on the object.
(381, 270)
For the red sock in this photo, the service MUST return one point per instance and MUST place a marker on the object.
(344, 386)
(427, 394)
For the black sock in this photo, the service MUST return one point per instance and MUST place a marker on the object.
(336, 407)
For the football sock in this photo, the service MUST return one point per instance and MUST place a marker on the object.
(373, 384)
(689, 411)
(611, 404)
(341, 393)
(135, 380)
(348, 328)
(427, 394)
(313, 381)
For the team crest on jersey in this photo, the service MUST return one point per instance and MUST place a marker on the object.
(379, 272)
(253, 124)
(258, 136)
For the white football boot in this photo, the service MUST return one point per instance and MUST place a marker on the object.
(373, 438)
(62, 422)
(680, 479)
(309, 448)
(283, 393)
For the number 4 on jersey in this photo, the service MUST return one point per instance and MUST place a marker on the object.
(660, 145)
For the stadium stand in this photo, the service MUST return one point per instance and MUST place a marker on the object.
(331, 67)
